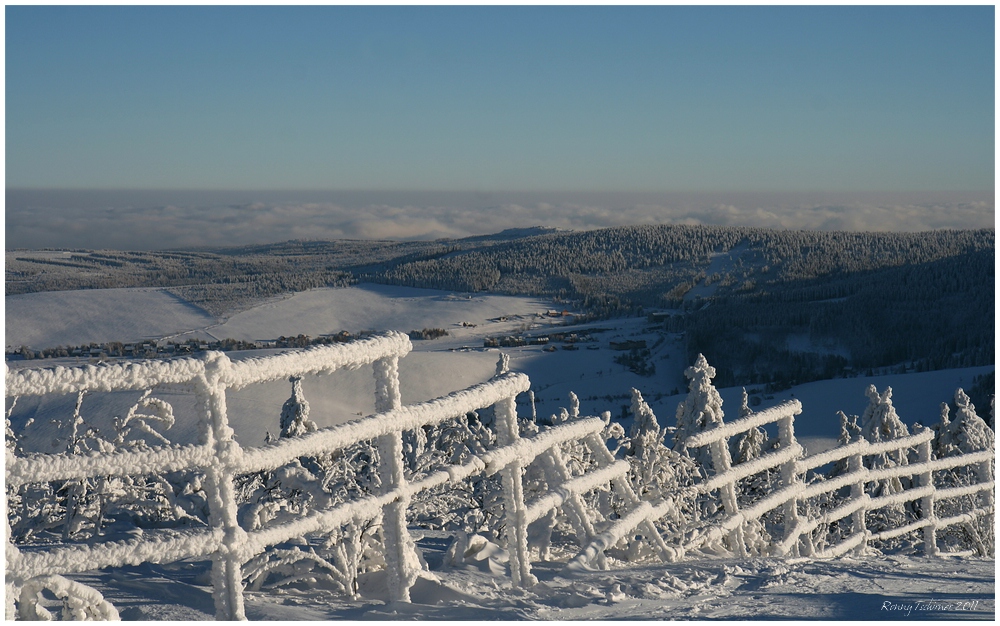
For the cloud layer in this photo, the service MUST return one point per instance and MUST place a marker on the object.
(34, 220)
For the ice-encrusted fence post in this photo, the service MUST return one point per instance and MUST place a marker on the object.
(855, 465)
(515, 512)
(401, 562)
(227, 563)
(789, 478)
(722, 463)
(927, 502)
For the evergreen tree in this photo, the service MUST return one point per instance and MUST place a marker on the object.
(701, 410)
(966, 433)
(295, 412)
(879, 423)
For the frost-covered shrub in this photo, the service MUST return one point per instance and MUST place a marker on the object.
(306, 484)
(964, 434)
(473, 505)
(659, 474)
(83, 508)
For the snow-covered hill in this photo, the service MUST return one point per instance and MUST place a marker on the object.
(435, 367)
(55, 318)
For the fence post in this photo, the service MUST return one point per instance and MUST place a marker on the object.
(513, 491)
(858, 525)
(722, 463)
(984, 474)
(227, 563)
(927, 502)
(790, 477)
(400, 561)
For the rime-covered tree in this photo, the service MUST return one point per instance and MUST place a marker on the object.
(295, 412)
(964, 434)
(880, 423)
(658, 473)
(701, 410)
(750, 444)
(967, 432)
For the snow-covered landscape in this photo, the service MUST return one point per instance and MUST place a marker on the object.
(890, 581)
(499, 312)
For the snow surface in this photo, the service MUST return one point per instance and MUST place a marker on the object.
(57, 318)
(873, 588)
(373, 307)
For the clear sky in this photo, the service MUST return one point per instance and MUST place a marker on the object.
(498, 99)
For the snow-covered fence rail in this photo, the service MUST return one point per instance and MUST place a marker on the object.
(220, 457)
(792, 490)
(860, 502)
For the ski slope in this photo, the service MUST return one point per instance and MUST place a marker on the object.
(57, 318)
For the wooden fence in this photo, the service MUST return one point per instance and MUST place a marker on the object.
(221, 458)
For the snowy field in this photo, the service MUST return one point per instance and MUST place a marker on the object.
(884, 587)
(54, 318)
(876, 588)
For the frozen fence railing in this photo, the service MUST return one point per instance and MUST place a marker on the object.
(792, 491)
(645, 513)
(784, 457)
(860, 502)
(221, 458)
(217, 454)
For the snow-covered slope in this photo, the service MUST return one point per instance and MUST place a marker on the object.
(57, 318)
(435, 367)
(372, 307)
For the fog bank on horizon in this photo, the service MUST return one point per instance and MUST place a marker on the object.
(155, 220)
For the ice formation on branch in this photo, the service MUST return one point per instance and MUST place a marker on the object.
(80, 602)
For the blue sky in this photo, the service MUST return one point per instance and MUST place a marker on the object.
(498, 99)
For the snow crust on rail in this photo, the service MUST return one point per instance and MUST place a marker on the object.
(35, 468)
(317, 359)
(404, 418)
(788, 408)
